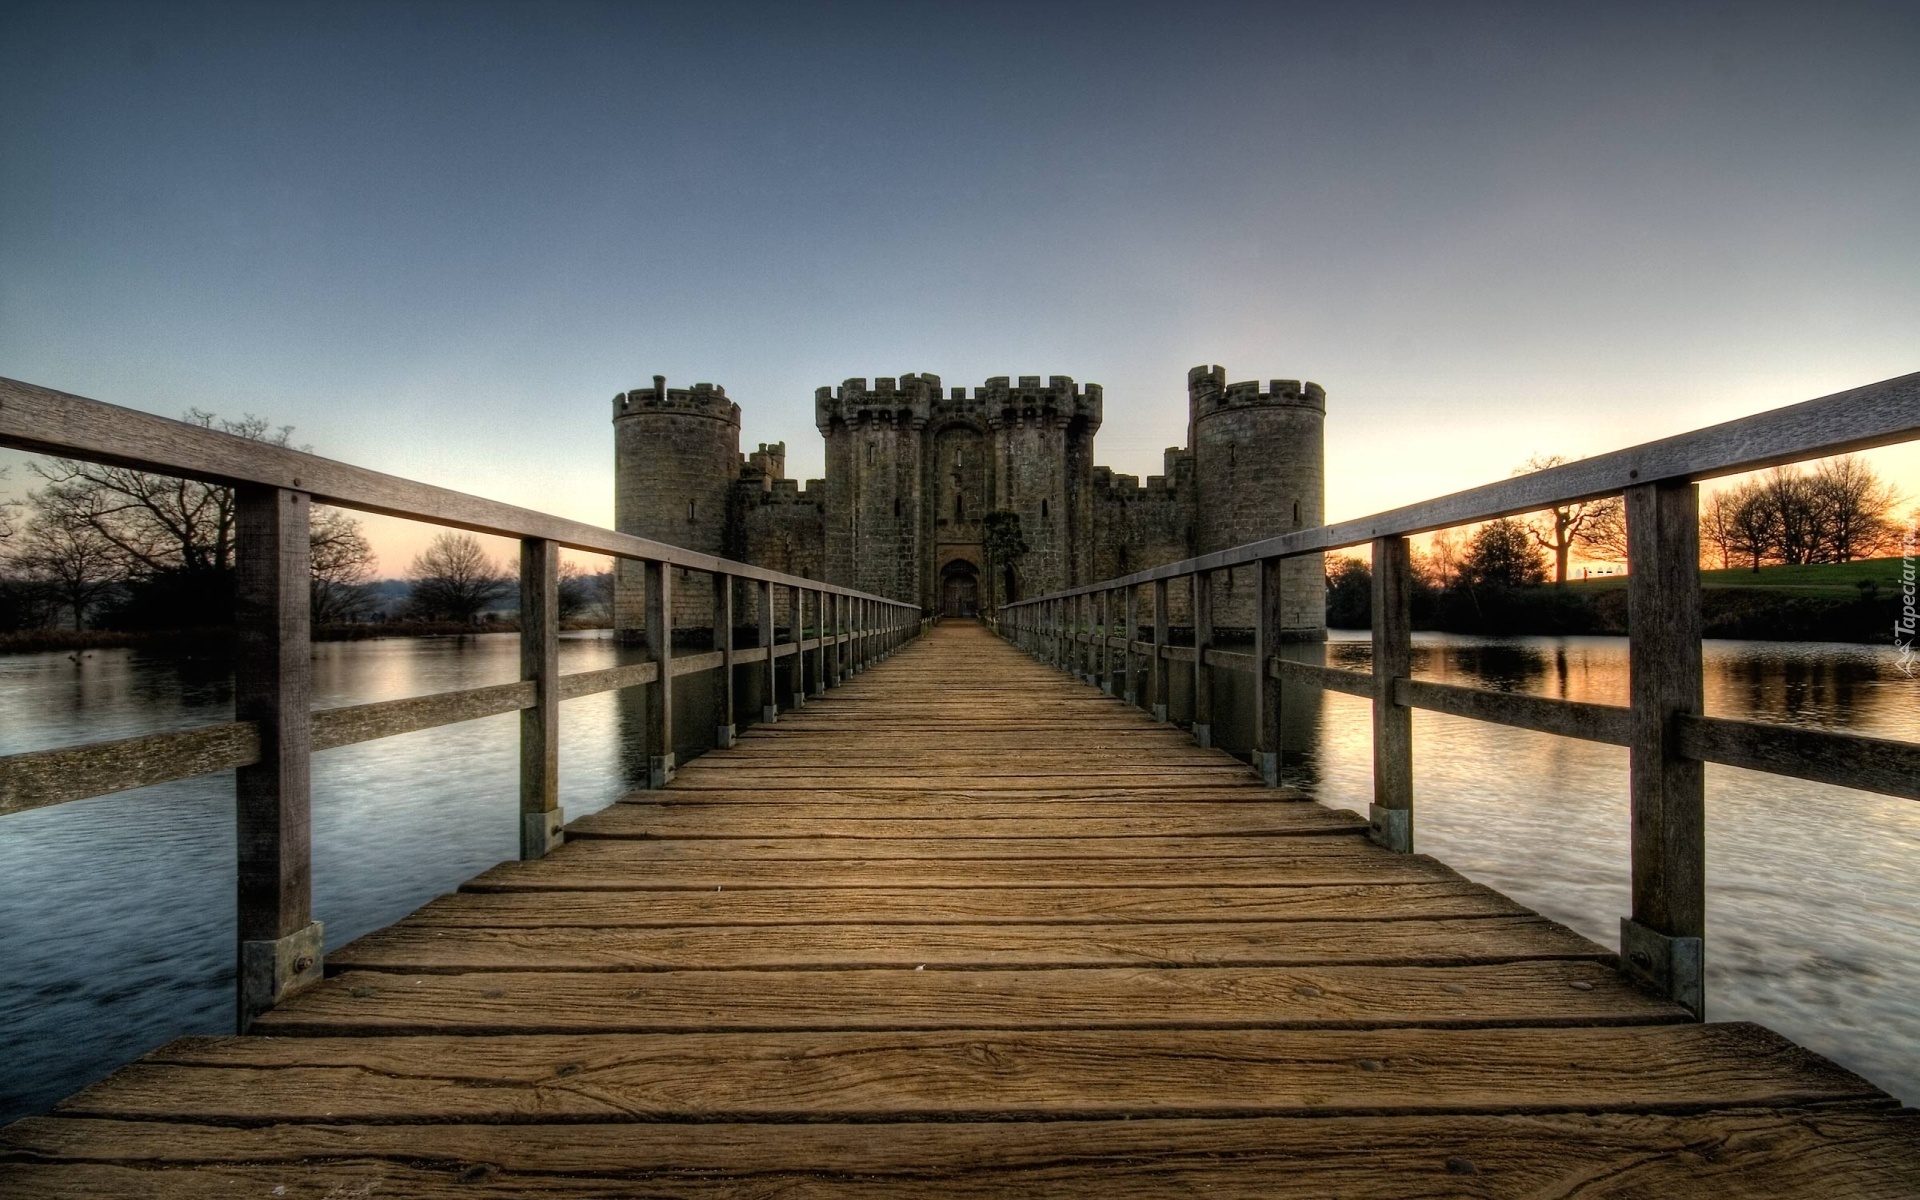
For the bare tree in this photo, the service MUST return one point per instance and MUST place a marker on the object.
(572, 591)
(8, 509)
(1852, 510)
(71, 560)
(1717, 531)
(342, 562)
(1558, 530)
(155, 523)
(453, 579)
(1445, 553)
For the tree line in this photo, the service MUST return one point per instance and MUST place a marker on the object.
(1838, 511)
(109, 547)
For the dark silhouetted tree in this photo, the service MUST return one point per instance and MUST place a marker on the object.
(453, 579)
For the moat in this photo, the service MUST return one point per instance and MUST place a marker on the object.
(1814, 912)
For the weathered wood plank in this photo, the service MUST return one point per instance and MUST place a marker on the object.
(437, 949)
(602, 853)
(1546, 992)
(40, 778)
(1733, 1155)
(1844, 759)
(803, 905)
(905, 1075)
(928, 821)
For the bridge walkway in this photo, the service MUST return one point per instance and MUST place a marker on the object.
(967, 928)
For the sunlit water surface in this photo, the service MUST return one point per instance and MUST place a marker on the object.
(116, 914)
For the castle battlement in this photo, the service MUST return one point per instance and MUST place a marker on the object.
(1060, 399)
(700, 400)
(904, 400)
(1208, 392)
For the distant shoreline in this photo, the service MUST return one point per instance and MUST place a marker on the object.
(41, 641)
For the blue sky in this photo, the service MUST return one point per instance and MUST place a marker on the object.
(437, 238)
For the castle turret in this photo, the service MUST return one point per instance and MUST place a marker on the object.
(1259, 471)
(874, 500)
(1043, 449)
(676, 456)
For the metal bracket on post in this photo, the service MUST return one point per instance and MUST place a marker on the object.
(1674, 967)
(1391, 827)
(270, 971)
(1267, 762)
(540, 832)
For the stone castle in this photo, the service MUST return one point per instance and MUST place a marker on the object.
(914, 469)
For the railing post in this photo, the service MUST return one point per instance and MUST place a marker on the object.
(725, 730)
(1202, 669)
(1107, 681)
(1129, 660)
(820, 650)
(1162, 680)
(280, 943)
(541, 823)
(1663, 943)
(1391, 816)
(834, 669)
(659, 589)
(1083, 631)
(797, 676)
(770, 675)
(1266, 685)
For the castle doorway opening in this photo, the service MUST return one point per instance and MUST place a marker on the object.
(959, 590)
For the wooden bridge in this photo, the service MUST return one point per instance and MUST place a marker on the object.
(958, 923)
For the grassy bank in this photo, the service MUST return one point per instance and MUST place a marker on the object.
(1846, 602)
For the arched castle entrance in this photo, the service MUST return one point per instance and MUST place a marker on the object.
(959, 589)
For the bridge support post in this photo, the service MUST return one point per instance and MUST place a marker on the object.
(770, 672)
(1130, 661)
(820, 622)
(797, 673)
(1663, 943)
(1391, 816)
(279, 942)
(1109, 676)
(1162, 683)
(1266, 684)
(725, 730)
(660, 692)
(1202, 669)
(541, 823)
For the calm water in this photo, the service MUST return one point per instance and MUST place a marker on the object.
(116, 914)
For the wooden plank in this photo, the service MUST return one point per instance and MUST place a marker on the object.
(1843, 759)
(439, 950)
(1548, 992)
(1059, 1074)
(1749, 1154)
(1610, 723)
(802, 905)
(1287, 819)
(1281, 868)
(1092, 792)
(599, 854)
(40, 778)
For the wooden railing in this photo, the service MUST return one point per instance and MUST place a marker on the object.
(270, 742)
(1094, 632)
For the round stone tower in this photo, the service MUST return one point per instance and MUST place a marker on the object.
(676, 457)
(1259, 471)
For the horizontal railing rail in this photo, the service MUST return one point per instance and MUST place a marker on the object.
(270, 742)
(1668, 735)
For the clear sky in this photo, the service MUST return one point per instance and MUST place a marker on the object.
(437, 238)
